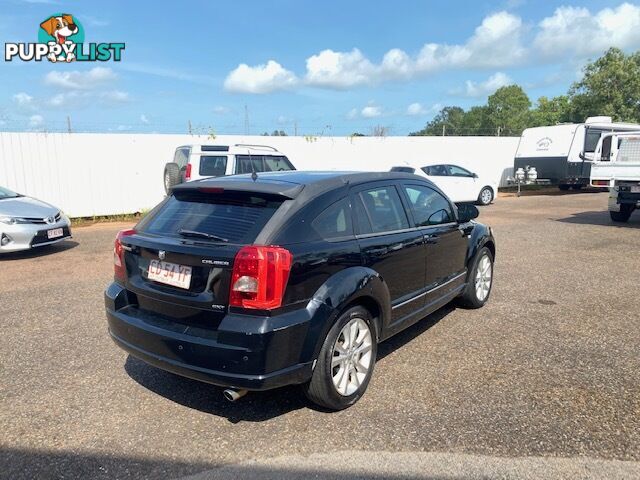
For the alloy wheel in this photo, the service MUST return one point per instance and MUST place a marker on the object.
(484, 273)
(352, 357)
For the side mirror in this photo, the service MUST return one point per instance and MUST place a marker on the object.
(467, 212)
(474, 175)
(582, 156)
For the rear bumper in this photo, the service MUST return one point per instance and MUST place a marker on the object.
(253, 353)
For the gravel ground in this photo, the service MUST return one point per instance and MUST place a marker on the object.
(549, 368)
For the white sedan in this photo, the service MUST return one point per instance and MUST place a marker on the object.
(458, 183)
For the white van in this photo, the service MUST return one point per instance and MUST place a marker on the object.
(193, 162)
(562, 154)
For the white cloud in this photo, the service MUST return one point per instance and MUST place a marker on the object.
(23, 99)
(144, 119)
(576, 31)
(265, 78)
(76, 80)
(339, 69)
(220, 110)
(502, 40)
(416, 109)
(36, 120)
(490, 85)
(371, 111)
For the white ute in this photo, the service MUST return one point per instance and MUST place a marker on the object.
(617, 166)
(193, 162)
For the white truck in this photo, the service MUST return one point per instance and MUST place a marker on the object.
(617, 166)
(562, 154)
(193, 162)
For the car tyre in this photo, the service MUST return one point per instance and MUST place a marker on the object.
(564, 187)
(486, 196)
(577, 187)
(623, 215)
(479, 280)
(350, 346)
(171, 177)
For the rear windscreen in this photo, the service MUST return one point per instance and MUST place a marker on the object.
(237, 217)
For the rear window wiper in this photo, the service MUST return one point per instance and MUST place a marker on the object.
(196, 234)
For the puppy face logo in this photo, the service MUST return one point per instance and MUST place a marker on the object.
(60, 27)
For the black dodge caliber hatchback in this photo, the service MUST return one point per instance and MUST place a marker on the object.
(253, 283)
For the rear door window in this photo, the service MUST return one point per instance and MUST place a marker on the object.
(262, 163)
(237, 217)
(213, 165)
(335, 221)
(456, 171)
(384, 209)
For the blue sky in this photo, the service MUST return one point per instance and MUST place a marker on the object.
(331, 67)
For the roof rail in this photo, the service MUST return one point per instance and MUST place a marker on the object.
(257, 147)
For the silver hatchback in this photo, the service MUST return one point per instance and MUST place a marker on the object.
(26, 222)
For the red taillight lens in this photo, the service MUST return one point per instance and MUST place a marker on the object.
(260, 276)
(601, 183)
(119, 269)
(187, 172)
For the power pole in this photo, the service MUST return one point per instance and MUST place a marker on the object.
(499, 129)
(68, 123)
(190, 130)
(246, 120)
(444, 130)
(295, 128)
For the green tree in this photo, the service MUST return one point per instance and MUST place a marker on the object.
(508, 110)
(551, 111)
(476, 122)
(610, 86)
(447, 121)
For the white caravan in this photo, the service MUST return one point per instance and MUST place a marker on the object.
(562, 154)
(617, 166)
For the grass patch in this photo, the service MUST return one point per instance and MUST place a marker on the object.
(125, 217)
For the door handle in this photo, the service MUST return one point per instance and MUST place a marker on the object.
(431, 239)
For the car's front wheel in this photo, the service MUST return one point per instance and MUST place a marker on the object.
(345, 364)
(486, 196)
(479, 281)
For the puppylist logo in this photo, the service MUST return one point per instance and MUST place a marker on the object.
(61, 39)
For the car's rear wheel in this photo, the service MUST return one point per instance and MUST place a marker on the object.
(623, 215)
(479, 281)
(564, 187)
(171, 177)
(486, 196)
(346, 361)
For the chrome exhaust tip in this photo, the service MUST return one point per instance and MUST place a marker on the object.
(231, 394)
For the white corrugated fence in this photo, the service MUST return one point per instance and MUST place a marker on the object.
(108, 174)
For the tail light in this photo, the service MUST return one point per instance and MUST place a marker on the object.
(187, 172)
(119, 269)
(260, 276)
(600, 183)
